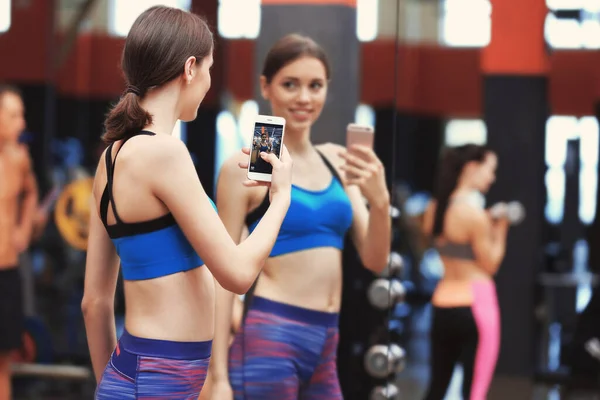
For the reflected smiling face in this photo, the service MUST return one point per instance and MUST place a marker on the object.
(297, 92)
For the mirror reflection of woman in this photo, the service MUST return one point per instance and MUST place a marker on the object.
(466, 318)
(264, 146)
(286, 347)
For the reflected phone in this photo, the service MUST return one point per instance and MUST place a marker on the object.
(359, 134)
(363, 135)
(267, 136)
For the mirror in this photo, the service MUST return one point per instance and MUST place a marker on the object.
(360, 49)
(68, 74)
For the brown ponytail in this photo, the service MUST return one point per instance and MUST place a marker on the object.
(160, 41)
(126, 119)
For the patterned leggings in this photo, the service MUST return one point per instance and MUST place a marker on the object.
(154, 369)
(285, 352)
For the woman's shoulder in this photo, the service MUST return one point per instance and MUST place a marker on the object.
(467, 212)
(330, 147)
(332, 151)
(148, 157)
(142, 155)
(155, 151)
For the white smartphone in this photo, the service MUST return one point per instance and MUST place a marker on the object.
(267, 137)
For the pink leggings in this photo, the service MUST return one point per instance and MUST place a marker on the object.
(466, 335)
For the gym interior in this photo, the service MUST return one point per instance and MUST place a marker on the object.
(517, 76)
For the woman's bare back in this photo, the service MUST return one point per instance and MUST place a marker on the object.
(454, 288)
(154, 306)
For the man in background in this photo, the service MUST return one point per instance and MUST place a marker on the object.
(18, 208)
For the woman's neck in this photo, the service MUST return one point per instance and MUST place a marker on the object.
(162, 105)
(298, 142)
(463, 189)
(463, 186)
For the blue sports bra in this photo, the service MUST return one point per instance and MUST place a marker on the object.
(314, 218)
(148, 249)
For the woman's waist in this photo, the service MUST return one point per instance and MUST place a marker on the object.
(179, 308)
(182, 324)
(162, 347)
(463, 292)
(326, 260)
(322, 295)
(311, 279)
(462, 270)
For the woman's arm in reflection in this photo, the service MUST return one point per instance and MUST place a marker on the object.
(372, 225)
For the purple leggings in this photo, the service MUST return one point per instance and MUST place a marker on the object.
(285, 352)
(154, 369)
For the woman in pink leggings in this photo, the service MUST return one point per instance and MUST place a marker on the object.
(466, 319)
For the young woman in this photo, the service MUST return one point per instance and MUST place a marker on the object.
(286, 348)
(263, 146)
(152, 217)
(466, 319)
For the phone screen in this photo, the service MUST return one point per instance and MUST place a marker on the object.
(267, 138)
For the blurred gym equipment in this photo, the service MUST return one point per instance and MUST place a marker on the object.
(395, 266)
(513, 211)
(387, 392)
(51, 371)
(383, 360)
(72, 212)
(385, 293)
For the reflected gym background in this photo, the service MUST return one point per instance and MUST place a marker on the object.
(520, 76)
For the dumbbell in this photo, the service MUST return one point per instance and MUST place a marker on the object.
(514, 211)
(382, 360)
(384, 293)
(387, 392)
(476, 199)
(395, 265)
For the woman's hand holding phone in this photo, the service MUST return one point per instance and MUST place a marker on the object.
(281, 179)
(365, 170)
